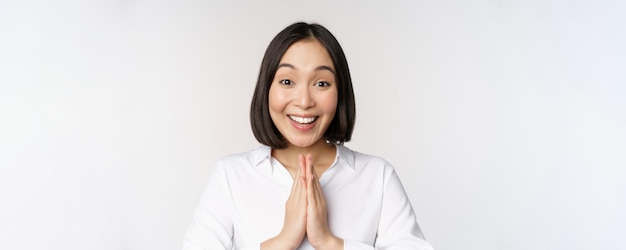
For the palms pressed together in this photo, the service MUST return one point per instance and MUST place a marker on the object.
(306, 214)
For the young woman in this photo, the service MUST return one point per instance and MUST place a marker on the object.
(303, 189)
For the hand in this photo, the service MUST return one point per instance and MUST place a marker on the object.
(317, 230)
(294, 226)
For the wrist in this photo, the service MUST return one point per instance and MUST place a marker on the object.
(277, 243)
(332, 243)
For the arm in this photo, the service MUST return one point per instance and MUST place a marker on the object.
(317, 229)
(212, 226)
(398, 227)
(294, 225)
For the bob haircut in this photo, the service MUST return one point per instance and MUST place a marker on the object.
(340, 129)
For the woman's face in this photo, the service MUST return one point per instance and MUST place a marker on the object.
(303, 94)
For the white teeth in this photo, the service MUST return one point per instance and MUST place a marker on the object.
(302, 120)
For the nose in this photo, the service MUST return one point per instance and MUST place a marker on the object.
(304, 98)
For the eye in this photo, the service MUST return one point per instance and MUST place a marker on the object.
(286, 82)
(322, 84)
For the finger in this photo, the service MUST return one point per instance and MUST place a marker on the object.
(302, 177)
(296, 182)
(314, 184)
(309, 165)
(310, 182)
(302, 165)
(297, 185)
(319, 196)
(317, 191)
(314, 173)
(296, 178)
(309, 172)
(298, 190)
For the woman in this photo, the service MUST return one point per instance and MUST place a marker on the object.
(303, 189)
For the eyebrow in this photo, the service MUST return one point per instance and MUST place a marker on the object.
(319, 68)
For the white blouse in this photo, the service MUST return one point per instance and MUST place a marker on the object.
(243, 204)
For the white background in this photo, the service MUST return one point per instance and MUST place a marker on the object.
(506, 120)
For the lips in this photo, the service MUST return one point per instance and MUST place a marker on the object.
(303, 120)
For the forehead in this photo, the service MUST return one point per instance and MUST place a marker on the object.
(307, 54)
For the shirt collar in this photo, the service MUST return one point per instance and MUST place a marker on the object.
(261, 153)
(264, 152)
(346, 155)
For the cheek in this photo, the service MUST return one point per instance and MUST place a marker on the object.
(276, 102)
(330, 103)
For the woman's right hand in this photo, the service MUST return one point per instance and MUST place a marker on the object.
(294, 226)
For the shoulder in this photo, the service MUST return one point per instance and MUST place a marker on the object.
(374, 170)
(248, 158)
(363, 161)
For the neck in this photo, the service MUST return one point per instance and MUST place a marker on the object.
(323, 155)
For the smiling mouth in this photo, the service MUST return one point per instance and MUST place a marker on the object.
(303, 120)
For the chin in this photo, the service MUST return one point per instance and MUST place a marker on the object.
(302, 143)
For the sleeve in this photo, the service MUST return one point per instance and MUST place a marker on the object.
(398, 227)
(354, 245)
(212, 226)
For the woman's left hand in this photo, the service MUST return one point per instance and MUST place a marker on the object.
(317, 230)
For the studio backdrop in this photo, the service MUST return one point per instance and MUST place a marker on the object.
(505, 120)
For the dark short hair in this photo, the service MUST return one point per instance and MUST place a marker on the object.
(340, 129)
